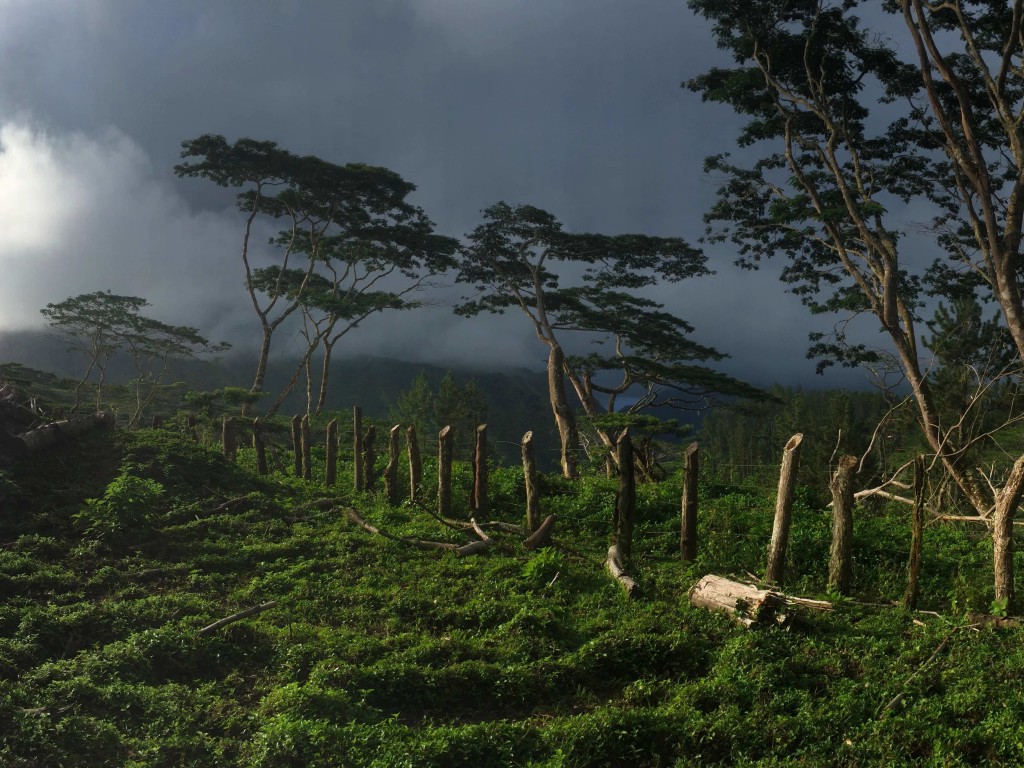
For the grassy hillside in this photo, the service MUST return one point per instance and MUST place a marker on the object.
(115, 551)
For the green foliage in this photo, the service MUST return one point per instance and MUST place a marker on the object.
(129, 506)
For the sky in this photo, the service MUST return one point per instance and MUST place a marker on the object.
(573, 106)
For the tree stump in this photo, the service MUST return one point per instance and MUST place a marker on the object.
(259, 447)
(357, 449)
(307, 449)
(688, 522)
(444, 473)
(840, 564)
(625, 499)
(331, 473)
(478, 501)
(297, 443)
(369, 457)
(783, 511)
(530, 478)
(916, 537)
(391, 470)
(415, 463)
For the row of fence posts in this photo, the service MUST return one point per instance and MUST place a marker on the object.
(364, 457)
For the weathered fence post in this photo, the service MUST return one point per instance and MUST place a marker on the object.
(259, 447)
(227, 438)
(625, 499)
(331, 475)
(415, 465)
(530, 478)
(444, 472)
(916, 537)
(478, 496)
(297, 443)
(840, 564)
(369, 457)
(688, 524)
(391, 470)
(783, 511)
(307, 460)
(357, 448)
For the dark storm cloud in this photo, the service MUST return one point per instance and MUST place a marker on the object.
(574, 106)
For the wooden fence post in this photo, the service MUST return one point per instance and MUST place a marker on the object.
(530, 478)
(369, 457)
(357, 448)
(227, 437)
(391, 470)
(625, 500)
(783, 511)
(916, 537)
(444, 472)
(307, 462)
(840, 564)
(297, 443)
(688, 525)
(415, 464)
(478, 496)
(259, 446)
(331, 476)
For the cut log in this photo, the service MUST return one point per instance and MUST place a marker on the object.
(746, 604)
(613, 563)
(542, 536)
(57, 432)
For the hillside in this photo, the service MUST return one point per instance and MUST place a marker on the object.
(117, 550)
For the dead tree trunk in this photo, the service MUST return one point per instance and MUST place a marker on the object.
(625, 499)
(369, 457)
(530, 478)
(297, 443)
(259, 447)
(783, 511)
(307, 449)
(391, 470)
(746, 604)
(688, 526)
(840, 564)
(478, 501)
(357, 449)
(227, 438)
(331, 475)
(415, 464)
(1007, 500)
(59, 431)
(542, 536)
(916, 537)
(444, 473)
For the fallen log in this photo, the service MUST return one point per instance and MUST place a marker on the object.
(57, 432)
(542, 536)
(613, 563)
(748, 605)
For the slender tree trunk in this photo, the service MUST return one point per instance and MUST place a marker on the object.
(259, 446)
(307, 445)
(625, 499)
(564, 419)
(783, 511)
(261, 365)
(840, 565)
(916, 537)
(325, 374)
(1007, 501)
(479, 496)
(391, 470)
(357, 449)
(297, 444)
(415, 464)
(688, 527)
(444, 472)
(369, 457)
(530, 479)
(332, 453)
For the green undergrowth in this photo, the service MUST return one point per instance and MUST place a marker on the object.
(116, 551)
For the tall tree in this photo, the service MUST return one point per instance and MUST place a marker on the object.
(521, 257)
(349, 235)
(809, 78)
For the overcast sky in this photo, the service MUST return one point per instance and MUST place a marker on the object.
(574, 106)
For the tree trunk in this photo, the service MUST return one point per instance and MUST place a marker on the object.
(840, 564)
(297, 443)
(325, 374)
(59, 431)
(444, 473)
(916, 537)
(530, 479)
(369, 457)
(391, 470)
(415, 465)
(259, 447)
(564, 418)
(357, 449)
(331, 475)
(261, 365)
(625, 499)
(783, 511)
(227, 438)
(478, 502)
(688, 526)
(746, 604)
(307, 445)
(1007, 501)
